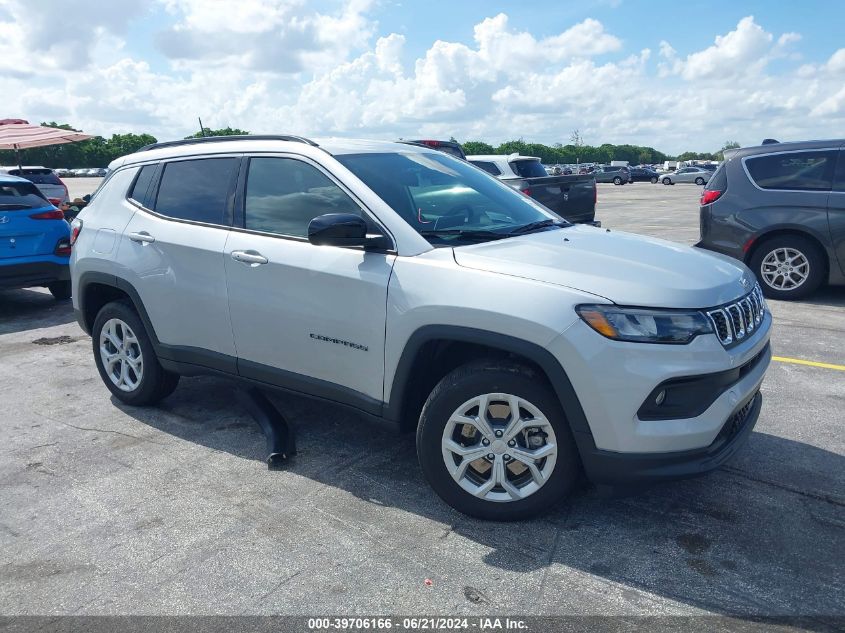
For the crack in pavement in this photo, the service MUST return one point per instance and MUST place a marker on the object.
(805, 493)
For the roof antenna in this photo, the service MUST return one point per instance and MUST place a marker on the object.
(202, 129)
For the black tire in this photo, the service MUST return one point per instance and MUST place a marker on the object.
(156, 383)
(60, 290)
(699, 181)
(494, 376)
(667, 181)
(811, 252)
(654, 180)
(617, 180)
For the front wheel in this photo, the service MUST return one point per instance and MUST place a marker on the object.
(699, 181)
(788, 267)
(617, 181)
(493, 442)
(667, 181)
(125, 357)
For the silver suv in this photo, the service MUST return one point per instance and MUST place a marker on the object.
(409, 285)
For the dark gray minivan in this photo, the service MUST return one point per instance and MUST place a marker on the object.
(780, 208)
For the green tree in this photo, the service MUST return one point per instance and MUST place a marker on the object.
(477, 147)
(225, 131)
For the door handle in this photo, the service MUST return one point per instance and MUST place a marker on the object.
(143, 237)
(249, 257)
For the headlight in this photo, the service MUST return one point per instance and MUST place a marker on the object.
(641, 325)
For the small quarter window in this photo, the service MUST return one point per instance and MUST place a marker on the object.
(140, 190)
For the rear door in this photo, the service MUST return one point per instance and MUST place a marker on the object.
(308, 318)
(172, 253)
(20, 234)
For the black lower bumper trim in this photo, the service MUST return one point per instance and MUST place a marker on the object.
(625, 469)
(32, 274)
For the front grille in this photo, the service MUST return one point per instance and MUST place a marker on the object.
(736, 321)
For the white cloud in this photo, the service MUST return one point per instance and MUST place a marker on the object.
(284, 66)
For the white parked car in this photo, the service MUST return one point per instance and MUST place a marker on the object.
(697, 175)
(411, 286)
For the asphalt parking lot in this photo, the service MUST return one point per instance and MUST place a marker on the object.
(113, 510)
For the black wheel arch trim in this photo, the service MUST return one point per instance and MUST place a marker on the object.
(544, 359)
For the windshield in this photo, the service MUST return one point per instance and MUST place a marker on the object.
(20, 195)
(528, 168)
(447, 200)
(38, 176)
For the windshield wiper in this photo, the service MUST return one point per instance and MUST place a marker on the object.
(534, 226)
(468, 233)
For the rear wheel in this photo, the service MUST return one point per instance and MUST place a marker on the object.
(788, 267)
(60, 290)
(125, 357)
(493, 442)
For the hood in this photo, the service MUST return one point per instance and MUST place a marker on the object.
(624, 268)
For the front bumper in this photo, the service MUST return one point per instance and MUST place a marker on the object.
(628, 469)
(27, 274)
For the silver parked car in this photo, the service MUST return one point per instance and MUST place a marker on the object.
(372, 274)
(698, 175)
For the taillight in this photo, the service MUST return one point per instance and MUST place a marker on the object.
(55, 214)
(431, 143)
(75, 229)
(63, 247)
(710, 196)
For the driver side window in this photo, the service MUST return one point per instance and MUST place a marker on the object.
(283, 195)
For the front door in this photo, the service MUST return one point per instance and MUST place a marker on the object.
(308, 318)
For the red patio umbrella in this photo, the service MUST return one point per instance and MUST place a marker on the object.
(18, 134)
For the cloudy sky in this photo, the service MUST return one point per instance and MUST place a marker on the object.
(676, 75)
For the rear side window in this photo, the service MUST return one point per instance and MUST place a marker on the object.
(528, 168)
(283, 195)
(38, 176)
(196, 190)
(140, 189)
(487, 166)
(20, 195)
(719, 180)
(804, 171)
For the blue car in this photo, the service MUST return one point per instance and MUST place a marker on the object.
(34, 239)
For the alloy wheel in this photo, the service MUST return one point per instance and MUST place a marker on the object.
(121, 355)
(499, 447)
(785, 269)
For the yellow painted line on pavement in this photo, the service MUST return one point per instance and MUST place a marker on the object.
(810, 363)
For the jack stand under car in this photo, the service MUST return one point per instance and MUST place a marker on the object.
(280, 434)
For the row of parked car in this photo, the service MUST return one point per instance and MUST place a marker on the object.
(94, 172)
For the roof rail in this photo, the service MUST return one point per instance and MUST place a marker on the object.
(234, 137)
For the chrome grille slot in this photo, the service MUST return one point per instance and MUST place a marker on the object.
(736, 321)
(722, 326)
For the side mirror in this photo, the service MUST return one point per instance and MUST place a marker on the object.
(343, 229)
